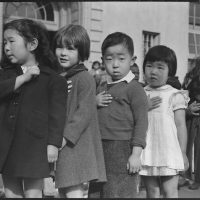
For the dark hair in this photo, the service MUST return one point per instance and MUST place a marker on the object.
(96, 62)
(196, 70)
(194, 88)
(135, 65)
(118, 38)
(73, 35)
(162, 53)
(30, 30)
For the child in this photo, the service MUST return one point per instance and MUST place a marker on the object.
(32, 102)
(81, 157)
(165, 153)
(193, 125)
(136, 71)
(123, 122)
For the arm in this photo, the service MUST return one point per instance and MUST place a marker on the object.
(179, 116)
(139, 106)
(8, 86)
(57, 113)
(84, 111)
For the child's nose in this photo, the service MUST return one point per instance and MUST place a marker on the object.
(64, 51)
(115, 64)
(7, 47)
(154, 70)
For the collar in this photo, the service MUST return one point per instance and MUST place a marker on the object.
(128, 78)
(25, 68)
(164, 87)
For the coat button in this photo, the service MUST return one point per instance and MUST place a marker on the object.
(12, 116)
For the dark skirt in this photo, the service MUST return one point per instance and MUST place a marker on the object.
(119, 183)
(193, 126)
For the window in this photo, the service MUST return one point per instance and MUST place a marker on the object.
(194, 43)
(34, 10)
(194, 30)
(150, 39)
(194, 14)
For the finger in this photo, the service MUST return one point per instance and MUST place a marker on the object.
(103, 92)
(69, 81)
(196, 114)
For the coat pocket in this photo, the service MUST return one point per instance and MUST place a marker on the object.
(38, 124)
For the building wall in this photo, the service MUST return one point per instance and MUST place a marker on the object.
(170, 19)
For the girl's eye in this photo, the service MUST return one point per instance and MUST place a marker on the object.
(122, 58)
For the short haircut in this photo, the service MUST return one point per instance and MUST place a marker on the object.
(118, 38)
(73, 35)
(162, 53)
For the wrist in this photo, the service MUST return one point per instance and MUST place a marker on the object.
(23, 78)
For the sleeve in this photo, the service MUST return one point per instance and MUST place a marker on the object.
(84, 111)
(180, 100)
(57, 110)
(7, 85)
(139, 108)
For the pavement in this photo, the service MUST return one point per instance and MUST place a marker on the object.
(184, 192)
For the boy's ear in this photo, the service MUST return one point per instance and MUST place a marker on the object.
(32, 45)
(133, 60)
(102, 61)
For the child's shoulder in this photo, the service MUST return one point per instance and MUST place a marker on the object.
(134, 85)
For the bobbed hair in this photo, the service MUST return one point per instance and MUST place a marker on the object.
(73, 36)
(164, 54)
(118, 38)
(29, 30)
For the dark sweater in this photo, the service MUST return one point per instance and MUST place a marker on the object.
(126, 117)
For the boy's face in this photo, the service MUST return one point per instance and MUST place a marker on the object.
(117, 61)
(156, 73)
(67, 56)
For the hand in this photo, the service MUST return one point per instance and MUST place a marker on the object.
(64, 142)
(52, 153)
(134, 164)
(186, 162)
(69, 85)
(194, 107)
(154, 102)
(30, 73)
(103, 99)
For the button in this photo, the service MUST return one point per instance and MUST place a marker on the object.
(12, 116)
(15, 103)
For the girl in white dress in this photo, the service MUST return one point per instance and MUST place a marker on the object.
(165, 153)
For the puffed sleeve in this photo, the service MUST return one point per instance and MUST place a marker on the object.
(180, 100)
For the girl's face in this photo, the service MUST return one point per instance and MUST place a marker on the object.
(156, 73)
(67, 56)
(15, 48)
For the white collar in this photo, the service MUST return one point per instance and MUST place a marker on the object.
(25, 68)
(128, 78)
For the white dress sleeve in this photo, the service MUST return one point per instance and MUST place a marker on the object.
(180, 100)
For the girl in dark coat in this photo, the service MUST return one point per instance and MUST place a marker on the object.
(81, 157)
(32, 109)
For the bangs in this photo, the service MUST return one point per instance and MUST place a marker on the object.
(66, 39)
(160, 55)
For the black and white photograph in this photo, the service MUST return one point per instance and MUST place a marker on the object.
(100, 99)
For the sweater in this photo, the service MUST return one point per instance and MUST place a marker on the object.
(125, 118)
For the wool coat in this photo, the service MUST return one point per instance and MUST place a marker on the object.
(81, 160)
(31, 117)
